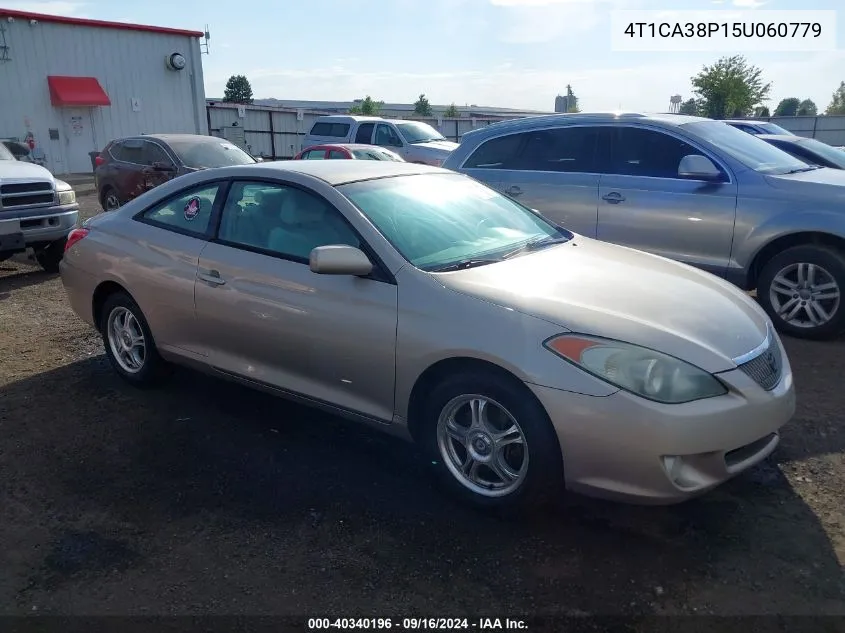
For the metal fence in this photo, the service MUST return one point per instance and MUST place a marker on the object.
(828, 129)
(277, 133)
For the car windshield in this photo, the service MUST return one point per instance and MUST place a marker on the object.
(828, 152)
(209, 154)
(771, 128)
(5, 154)
(416, 132)
(749, 150)
(375, 154)
(447, 221)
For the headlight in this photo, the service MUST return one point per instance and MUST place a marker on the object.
(642, 371)
(67, 196)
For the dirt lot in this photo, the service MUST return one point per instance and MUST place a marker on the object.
(203, 497)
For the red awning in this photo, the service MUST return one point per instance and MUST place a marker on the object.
(77, 91)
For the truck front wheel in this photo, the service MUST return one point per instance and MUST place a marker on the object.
(50, 256)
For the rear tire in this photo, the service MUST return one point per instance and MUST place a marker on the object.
(129, 343)
(803, 291)
(509, 456)
(51, 255)
(110, 199)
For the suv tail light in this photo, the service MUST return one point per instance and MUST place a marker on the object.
(74, 236)
(99, 160)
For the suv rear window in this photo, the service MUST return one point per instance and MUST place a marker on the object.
(330, 129)
(497, 153)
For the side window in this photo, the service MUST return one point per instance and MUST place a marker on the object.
(132, 152)
(315, 154)
(325, 128)
(154, 154)
(386, 136)
(282, 220)
(365, 133)
(497, 153)
(641, 152)
(304, 155)
(565, 149)
(334, 154)
(190, 212)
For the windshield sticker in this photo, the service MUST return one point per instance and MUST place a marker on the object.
(192, 208)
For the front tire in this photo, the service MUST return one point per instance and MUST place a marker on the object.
(51, 255)
(492, 443)
(802, 288)
(129, 343)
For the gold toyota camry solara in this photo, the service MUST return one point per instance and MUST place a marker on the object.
(518, 355)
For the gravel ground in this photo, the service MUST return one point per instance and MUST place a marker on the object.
(205, 498)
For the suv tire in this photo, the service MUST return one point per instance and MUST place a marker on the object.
(803, 291)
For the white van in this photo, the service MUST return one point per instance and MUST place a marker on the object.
(414, 141)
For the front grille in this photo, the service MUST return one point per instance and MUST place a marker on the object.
(766, 369)
(26, 194)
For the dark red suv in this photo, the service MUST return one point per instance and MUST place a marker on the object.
(128, 167)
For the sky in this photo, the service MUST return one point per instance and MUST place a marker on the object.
(506, 53)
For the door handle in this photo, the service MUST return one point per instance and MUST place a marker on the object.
(211, 277)
(513, 190)
(614, 197)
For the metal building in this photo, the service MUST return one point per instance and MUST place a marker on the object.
(68, 85)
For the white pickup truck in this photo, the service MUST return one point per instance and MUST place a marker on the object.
(37, 211)
(414, 141)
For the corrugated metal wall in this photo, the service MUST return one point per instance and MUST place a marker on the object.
(128, 64)
(285, 141)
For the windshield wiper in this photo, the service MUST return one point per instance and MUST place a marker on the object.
(464, 264)
(535, 244)
(800, 170)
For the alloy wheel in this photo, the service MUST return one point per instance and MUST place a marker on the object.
(482, 445)
(805, 295)
(126, 340)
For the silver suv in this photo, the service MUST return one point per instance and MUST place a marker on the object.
(690, 189)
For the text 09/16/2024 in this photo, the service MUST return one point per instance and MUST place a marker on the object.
(718, 31)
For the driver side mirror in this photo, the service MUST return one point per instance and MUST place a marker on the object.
(339, 259)
(698, 167)
(258, 159)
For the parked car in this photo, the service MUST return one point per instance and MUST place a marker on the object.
(347, 151)
(758, 127)
(414, 141)
(431, 306)
(37, 211)
(809, 150)
(692, 189)
(128, 167)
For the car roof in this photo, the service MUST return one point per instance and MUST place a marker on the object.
(744, 121)
(167, 138)
(532, 122)
(347, 146)
(339, 172)
(784, 137)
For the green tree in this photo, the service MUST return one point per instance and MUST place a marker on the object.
(689, 107)
(807, 108)
(837, 103)
(367, 106)
(788, 107)
(238, 90)
(762, 112)
(422, 107)
(452, 112)
(730, 88)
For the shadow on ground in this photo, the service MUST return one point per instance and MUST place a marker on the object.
(205, 497)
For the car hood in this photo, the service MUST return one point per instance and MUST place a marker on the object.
(437, 146)
(11, 170)
(592, 287)
(825, 182)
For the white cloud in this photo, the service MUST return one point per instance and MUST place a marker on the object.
(748, 4)
(49, 7)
